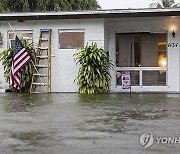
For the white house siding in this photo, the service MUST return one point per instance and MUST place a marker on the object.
(101, 31)
(64, 69)
(153, 25)
(106, 35)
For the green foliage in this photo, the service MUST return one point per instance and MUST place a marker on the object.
(6, 57)
(164, 4)
(47, 5)
(93, 75)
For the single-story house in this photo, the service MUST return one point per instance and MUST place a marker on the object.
(142, 41)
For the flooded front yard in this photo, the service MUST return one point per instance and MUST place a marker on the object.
(86, 124)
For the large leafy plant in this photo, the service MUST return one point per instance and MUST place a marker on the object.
(93, 75)
(6, 57)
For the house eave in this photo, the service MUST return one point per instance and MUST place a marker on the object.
(90, 14)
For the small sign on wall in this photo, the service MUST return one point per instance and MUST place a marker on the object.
(126, 80)
(173, 45)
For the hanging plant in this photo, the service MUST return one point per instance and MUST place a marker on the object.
(6, 57)
(93, 75)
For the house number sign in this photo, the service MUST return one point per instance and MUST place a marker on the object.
(173, 45)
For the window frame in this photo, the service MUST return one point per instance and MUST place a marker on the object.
(141, 69)
(9, 45)
(135, 33)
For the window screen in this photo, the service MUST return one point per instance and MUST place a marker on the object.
(71, 39)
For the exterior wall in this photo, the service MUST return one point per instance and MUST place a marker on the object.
(106, 35)
(64, 69)
(152, 25)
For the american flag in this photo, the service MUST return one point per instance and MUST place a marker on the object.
(20, 59)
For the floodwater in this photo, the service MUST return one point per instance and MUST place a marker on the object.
(87, 124)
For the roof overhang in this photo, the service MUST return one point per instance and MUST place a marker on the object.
(90, 14)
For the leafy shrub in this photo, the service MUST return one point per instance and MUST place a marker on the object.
(6, 57)
(93, 75)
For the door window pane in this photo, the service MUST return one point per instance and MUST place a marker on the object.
(141, 50)
(154, 78)
(134, 78)
(137, 50)
(162, 44)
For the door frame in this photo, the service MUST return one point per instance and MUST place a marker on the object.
(114, 87)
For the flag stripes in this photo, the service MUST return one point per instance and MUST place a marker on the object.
(20, 59)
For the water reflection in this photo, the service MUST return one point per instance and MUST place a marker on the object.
(118, 121)
(16, 102)
(30, 139)
(111, 113)
(30, 122)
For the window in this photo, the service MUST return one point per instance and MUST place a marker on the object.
(71, 39)
(134, 78)
(144, 55)
(141, 49)
(25, 35)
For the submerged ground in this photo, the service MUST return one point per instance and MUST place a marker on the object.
(87, 124)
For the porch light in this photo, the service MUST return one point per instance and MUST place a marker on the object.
(173, 33)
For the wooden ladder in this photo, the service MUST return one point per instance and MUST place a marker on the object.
(41, 80)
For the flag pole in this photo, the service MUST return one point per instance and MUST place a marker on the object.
(12, 29)
(31, 59)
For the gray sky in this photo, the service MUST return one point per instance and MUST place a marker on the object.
(125, 4)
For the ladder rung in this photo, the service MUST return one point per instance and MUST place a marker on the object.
(41, 66)
(43, 62)
(39, 84)
(43, 48)
(43, 39)
(42, 57)
(41, 75)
